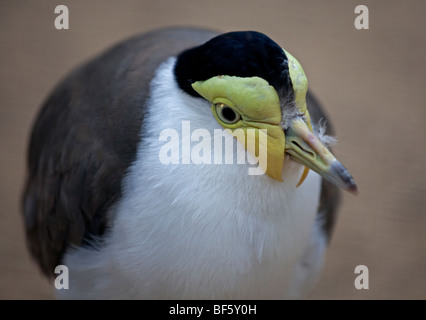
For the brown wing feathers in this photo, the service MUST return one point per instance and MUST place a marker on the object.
(85, 138)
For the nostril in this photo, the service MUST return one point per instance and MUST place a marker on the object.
(310, 153)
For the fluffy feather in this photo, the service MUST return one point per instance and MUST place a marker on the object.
(320, 130)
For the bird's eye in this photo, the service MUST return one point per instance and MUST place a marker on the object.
(227, 114)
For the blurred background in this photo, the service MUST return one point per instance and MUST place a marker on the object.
(371, 82)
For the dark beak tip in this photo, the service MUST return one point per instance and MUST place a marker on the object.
(353, 189)
(344, 178)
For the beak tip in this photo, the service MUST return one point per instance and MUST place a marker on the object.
(353, 189)
(343, 178)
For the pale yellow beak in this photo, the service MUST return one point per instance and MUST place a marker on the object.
(304, 147)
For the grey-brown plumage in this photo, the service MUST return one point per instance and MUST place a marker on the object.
(85, 138)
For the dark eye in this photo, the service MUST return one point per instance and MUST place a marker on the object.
(226, 113)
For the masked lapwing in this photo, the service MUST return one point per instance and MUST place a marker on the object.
(183, 164)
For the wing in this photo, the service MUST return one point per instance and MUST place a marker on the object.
(330, 194)
(85, 138)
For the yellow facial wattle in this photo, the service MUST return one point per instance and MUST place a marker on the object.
(259, 107)
(300, 88)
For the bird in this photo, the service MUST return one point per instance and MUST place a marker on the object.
(121, 187)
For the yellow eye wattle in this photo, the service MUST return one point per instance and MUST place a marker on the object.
(227, 114)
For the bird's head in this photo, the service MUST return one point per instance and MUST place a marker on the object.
(252, 83)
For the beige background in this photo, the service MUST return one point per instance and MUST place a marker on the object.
(370, 81)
